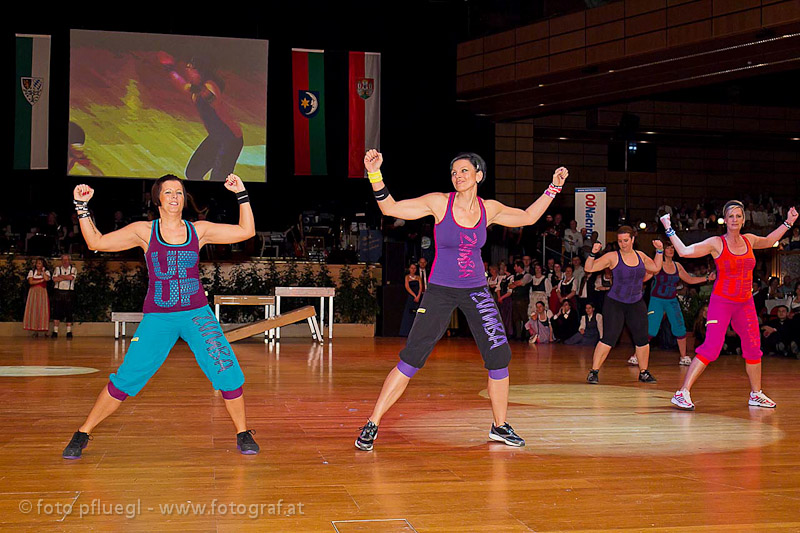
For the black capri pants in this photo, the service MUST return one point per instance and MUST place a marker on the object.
(433, 317)
(616, 314)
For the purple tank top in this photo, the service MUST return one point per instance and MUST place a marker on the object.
(458, 260)
(665, 285)
(627, 284)
(174, 272)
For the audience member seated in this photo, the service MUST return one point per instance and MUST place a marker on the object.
(590, 330)
(565, 323)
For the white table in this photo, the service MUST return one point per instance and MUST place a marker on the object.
(123, 317)
(242, 299)
(309, 292)
(771, 304)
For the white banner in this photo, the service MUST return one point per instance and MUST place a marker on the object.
(590, 211)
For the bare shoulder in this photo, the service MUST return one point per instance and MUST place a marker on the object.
(142, 228)
(437, 203)
(751, 238)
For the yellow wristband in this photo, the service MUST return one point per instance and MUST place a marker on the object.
(375, 177)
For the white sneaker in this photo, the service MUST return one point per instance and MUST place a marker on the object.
(533, 339)
(633, 361)
(759, 399)
(683, 400)
(685, 360)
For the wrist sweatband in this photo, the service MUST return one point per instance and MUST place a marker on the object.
(552, 190)
(382, 194)
(242, 197)
(786, 223)
(83, 214)
(375, 177)
(594, 255)
(670, 232)
(659, 251)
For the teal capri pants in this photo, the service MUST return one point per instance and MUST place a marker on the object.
(158, 333)
(656, 311)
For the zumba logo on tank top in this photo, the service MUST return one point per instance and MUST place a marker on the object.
(458, 260)
(174, 273)
(665, 285)
(735, 273)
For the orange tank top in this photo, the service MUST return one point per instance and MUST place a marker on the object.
(735, 273)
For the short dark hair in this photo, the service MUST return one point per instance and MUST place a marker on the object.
(155, 191)
(519, 264)
(475, 160)
(626, 229)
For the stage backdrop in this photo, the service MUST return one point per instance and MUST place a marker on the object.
(143, 105)
(590, 211)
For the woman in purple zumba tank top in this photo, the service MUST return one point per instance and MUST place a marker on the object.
(624, 303)
(457, 280)
(175, 305)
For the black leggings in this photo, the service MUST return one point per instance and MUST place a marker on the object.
(616, 314)
(433, 317)
(217, 154)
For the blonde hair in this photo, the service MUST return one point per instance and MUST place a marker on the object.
(732, 205)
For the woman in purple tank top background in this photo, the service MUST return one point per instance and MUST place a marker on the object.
(457, 279)
(624, 303)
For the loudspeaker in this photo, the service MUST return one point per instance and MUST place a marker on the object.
(394, 263)
(392, 300)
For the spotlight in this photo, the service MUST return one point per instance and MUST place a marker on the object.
(720, 221)
(642, 225)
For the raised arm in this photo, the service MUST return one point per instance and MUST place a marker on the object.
(168, 64)
(598, 264)
(711, 245)
(769, 241)
(213, 233)
(410, 209)
(694, 280)
(498, 213)
(653, 266)
(131, 236)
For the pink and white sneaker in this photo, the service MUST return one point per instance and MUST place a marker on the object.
(683, 400)
(633, 360)
(759, 399)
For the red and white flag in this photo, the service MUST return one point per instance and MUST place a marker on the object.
(365, 109)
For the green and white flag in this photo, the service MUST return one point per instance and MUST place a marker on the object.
(32, 101)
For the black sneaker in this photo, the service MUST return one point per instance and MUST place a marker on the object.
(367, 436)
(646, 377)
(245, 442)
(69, 334)
(506, 434)
(54, 335)
(76, 445)
(592, 377)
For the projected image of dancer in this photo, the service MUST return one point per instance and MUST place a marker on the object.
(175, 306)
(457, 280)
(732, 299)
(219, 151)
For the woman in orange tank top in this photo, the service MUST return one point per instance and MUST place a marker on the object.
(731, 302)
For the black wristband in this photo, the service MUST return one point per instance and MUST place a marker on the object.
(382, 194)
(242, 197)
(594, 255)
(84, 214)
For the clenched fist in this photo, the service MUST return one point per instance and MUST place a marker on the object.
(83, 193)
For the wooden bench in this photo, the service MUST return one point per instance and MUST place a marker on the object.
(123, 317)
(308, 312)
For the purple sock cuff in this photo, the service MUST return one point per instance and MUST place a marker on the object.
(232, 394)
(406, 369)
(116, 393)
(501, 373)
(681, 337)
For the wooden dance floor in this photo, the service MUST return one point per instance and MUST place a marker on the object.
(610, 457)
